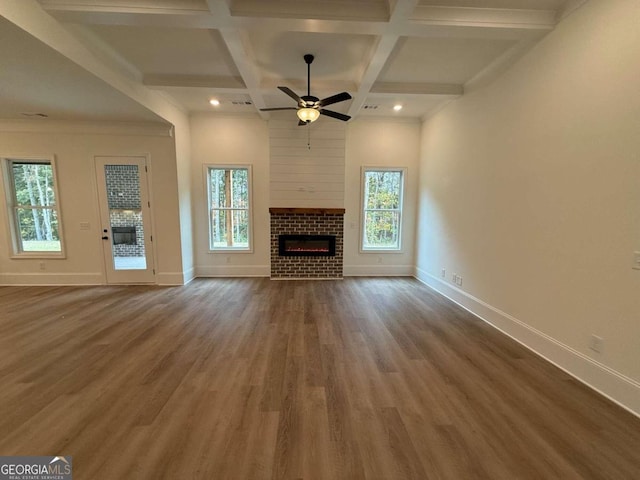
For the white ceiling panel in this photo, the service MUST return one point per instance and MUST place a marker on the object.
(36, 79)
(338, 57)
(507, 4)
(419, 53)
(170, 51)
(363, 10)
(441, 60)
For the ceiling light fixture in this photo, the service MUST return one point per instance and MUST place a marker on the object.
(309, 107)
(214, 102)
(397, 108)
(307, 114)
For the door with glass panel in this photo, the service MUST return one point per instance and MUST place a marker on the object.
(125, 219)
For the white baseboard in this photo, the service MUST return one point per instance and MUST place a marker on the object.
(51, 279)
(232, 270)
(188, 275)
(378, 271)
(617, 387)
(170, 278)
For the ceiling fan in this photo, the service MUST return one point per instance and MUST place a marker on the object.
(309, 107)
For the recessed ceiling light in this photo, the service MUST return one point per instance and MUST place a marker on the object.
(214, 102)
(397, 108)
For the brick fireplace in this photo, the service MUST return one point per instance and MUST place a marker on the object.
(310, 224)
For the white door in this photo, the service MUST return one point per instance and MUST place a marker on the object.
(126, 219)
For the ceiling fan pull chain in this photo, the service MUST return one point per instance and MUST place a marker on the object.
(309, 137)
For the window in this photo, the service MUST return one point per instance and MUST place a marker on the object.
(33, 207)
(229, 207)
(382, 208)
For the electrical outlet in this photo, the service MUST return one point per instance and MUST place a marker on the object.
(596, 343)
(459, 281)
(443, 273)
(379, 259)
(228, 259)
(42, 266)
(454, 278)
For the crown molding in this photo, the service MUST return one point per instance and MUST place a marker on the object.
(93, 128)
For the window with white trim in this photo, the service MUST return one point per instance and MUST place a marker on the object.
(33, 207)
(229, 205)
(382, 190)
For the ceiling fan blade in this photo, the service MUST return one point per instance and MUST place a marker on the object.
(331, 113)
(277, 108)
(339, 97)
(292, 94)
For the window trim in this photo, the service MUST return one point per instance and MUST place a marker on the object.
(206, 168)
(373, 168)
(10, 207)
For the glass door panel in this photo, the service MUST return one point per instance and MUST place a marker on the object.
(124, 210)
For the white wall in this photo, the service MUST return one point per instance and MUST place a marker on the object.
(74, 147)
(245, 140)
(380, 143)
(182, 145)
(228, 140)
(530, 190)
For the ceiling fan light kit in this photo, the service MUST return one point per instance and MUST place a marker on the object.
(309, 107)
(308, 115)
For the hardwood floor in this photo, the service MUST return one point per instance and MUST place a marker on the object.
(251, 378)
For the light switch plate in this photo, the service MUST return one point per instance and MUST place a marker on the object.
(636, 260)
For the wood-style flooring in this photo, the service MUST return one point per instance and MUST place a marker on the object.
(237, 379)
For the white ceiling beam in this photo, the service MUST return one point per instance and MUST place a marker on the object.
(407, 18)
(208, 21)
(568, 8)
(378, 60)
(397, 88)
(105, 51)
(450, 22)
(148, 6)
(239, 50)
(484, 17)
(381, 53)
(136, 19)
(203, 81)
(326, 9)
(299, 85)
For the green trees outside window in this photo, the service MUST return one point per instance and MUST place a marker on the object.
(229, 215)
(33, 205)
(382, 209)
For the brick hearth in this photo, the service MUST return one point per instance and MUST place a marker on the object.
(307, 221)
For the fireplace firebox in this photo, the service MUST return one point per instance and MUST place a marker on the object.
(307, 245)
(124, 235)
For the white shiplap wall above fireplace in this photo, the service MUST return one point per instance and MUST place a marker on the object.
(307, 177)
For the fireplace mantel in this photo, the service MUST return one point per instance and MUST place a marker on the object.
(309, 211)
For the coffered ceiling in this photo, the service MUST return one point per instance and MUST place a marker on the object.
(416, 53)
